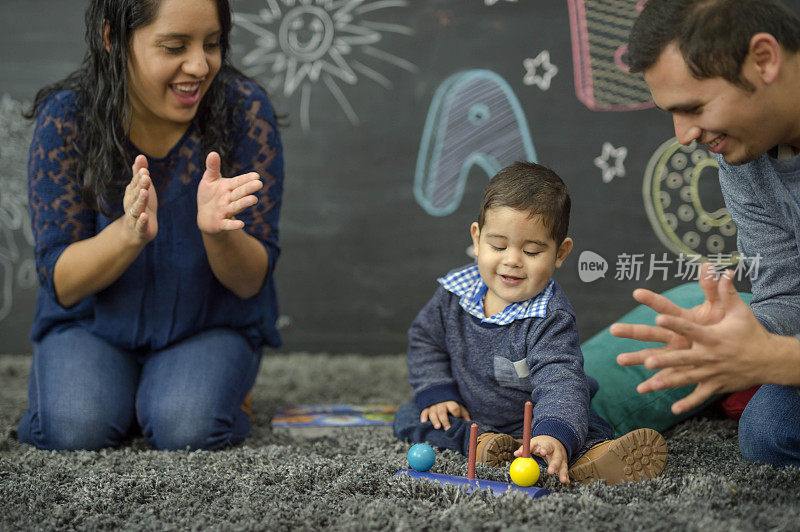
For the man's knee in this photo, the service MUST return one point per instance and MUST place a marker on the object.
(769, 430)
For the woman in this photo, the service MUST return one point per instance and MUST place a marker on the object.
(157, 292)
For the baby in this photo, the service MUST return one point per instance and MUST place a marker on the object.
(502, 332)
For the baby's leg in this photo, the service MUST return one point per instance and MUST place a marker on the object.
(599, 431)
(408, 427)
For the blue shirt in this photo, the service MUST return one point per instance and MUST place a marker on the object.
(169, 292)
(468, 285)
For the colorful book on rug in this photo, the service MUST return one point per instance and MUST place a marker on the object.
(328, 416)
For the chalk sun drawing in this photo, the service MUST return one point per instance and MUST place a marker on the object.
(299, 43)
(474, 119)
(683, 213)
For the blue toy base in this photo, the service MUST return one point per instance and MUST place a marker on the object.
(493, 487)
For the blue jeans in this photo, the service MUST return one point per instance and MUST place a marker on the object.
(769, 429)
(84, 393)
(407, 427)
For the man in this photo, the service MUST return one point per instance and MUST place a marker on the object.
(728, 71)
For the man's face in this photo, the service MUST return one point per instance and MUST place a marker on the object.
(728, 119)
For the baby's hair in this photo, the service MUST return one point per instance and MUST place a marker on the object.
(534, 188)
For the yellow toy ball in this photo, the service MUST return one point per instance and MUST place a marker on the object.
(524, 472)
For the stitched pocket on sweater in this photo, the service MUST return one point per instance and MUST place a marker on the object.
(511, 374)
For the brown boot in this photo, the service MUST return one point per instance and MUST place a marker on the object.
(494, 449)
(247, 405)
(636, 456)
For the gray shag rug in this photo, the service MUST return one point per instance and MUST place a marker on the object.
(280, 482)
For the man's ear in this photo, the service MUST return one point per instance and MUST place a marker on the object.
(765, 54)
(107, 35)
(563, 251)
(475, 232)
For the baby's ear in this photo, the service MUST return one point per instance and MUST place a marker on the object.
(475, 232)
(563, 251)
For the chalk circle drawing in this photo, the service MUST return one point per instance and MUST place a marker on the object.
(474, 119)
(683, 220)
(300, 42)
(533, 66)
(612, 161)
(603, 81)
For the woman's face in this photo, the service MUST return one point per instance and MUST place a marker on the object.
(172, 62)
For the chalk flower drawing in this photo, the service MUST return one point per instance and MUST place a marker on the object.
(300, 42)
(615, 168)
(533, 67)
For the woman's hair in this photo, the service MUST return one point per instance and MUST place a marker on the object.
(101, 88)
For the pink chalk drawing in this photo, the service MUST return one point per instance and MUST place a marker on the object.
(603, 81)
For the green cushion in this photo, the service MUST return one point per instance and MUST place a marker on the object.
(617, 401)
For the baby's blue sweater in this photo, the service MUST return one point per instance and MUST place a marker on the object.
(452, 356)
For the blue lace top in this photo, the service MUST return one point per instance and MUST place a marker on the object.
(169, 292)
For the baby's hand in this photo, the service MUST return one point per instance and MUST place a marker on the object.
(554, 454)
(438, 414)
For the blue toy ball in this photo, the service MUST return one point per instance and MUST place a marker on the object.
(421, 457)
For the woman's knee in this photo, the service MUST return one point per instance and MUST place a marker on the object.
(173, 426)
(76, 429)
(769, 431)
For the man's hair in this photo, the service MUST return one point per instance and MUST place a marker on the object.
(533, 188)
(713, 36)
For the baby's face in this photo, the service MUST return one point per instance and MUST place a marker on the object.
(516, 256)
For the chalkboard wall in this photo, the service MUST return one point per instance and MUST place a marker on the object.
(397, 114)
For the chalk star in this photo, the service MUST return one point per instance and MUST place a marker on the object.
(618, 168)
(541, 61)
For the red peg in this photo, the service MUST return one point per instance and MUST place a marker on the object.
(473, 443)
(526, 430)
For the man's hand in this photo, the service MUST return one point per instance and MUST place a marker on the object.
(720, 345)
(438, 414)
(554, 454)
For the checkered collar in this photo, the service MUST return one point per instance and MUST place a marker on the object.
(467, 284)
